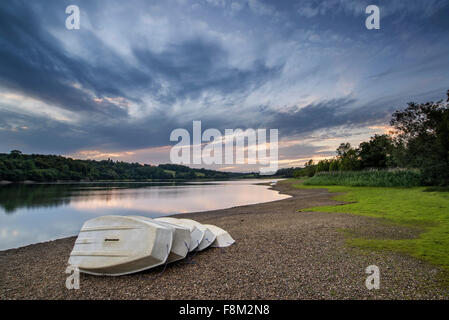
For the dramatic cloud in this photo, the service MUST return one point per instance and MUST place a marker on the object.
(134, 72)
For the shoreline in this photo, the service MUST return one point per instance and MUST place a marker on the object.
(5, 182)
(279, 253)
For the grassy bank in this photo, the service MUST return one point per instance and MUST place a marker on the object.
(429, 211)
(368, 178)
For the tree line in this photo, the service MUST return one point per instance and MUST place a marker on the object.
(419, 141)
(16, 166)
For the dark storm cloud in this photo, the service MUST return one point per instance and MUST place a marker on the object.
(229, 66)
(316, 116)
(197, 65)
(34, 64)
(122, 136)
(45, 135)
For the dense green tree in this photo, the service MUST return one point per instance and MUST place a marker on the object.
(348, 158)
(286, 172)
(334, 165)
(309, 169)
(422, 133)
(376, 153)
(298, 173)
(323, 166)
(15, 153)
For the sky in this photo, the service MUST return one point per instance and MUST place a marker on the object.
(136, 70)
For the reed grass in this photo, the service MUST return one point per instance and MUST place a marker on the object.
(367, 178)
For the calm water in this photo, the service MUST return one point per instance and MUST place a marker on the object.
(42, 212)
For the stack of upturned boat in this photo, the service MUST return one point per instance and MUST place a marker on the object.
(118, 245)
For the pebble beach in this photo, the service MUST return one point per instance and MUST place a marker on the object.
(280, 253)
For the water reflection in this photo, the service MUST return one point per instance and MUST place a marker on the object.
(41, 212)
(16, 196)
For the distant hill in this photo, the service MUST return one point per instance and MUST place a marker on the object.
(16, 166)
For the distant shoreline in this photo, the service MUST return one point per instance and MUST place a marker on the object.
(20, 167)
(4, 182)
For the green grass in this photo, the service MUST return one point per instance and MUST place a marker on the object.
(173, 173)
(404, 206)
(367, 178)
(199, 174)
(437, 189)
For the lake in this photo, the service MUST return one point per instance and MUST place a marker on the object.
(32, 213)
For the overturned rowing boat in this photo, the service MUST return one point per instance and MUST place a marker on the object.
(116, 245)
(208, 237)
(181, 239)
(222, 237)
(196, 235)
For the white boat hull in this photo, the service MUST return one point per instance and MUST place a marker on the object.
(181, 239)
(209, 237)
(116, 245)
(222, 237)
(196, 235)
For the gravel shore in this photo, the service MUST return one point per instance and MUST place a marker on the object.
(279, 253)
